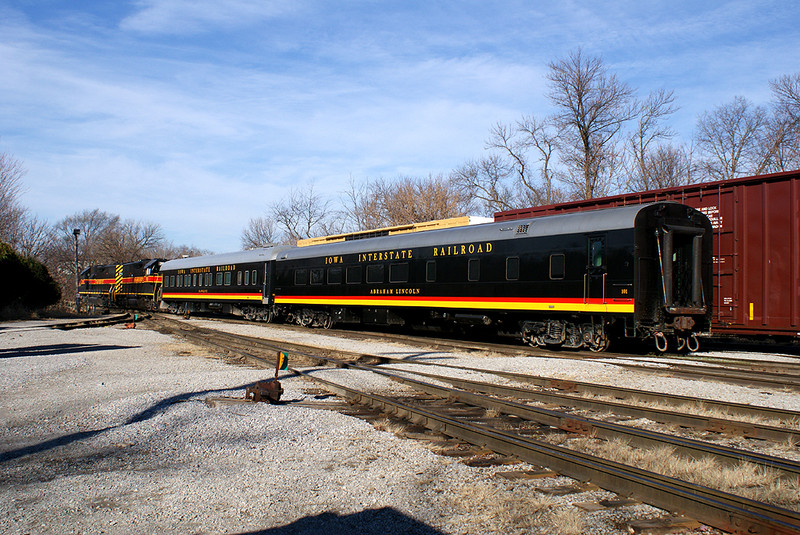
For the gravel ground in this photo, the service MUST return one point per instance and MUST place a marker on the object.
(106, 430)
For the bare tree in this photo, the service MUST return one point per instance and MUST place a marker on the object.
(361, 205)
(383, 203)
(259, 232)
(303, 214)
(35, 238)
(505, 179)
(168, 251)
(591, 108)
(729, 136)
(538, 136)
(653, 164)
(486, 182)
(128, 241)
(12, 213)
(665, 166)
(781, 141)
(786, 90)
(93, 224)
(505, 139)
(413, 200)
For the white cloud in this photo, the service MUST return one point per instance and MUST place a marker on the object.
(191, 16)
(199, 114)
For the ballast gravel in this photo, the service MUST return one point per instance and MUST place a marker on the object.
(107, 430)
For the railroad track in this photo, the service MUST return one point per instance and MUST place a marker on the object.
(94, 322)
(569, 390)
(739, 371)
(712, 507)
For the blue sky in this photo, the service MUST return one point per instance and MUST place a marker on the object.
(197, 114)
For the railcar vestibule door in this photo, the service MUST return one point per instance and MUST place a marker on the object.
(681, 267)
(267, 283)
(594, 280)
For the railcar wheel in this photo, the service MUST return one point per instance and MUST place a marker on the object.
(600, 344)
(661, 342)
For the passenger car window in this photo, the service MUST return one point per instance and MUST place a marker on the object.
(301, 277)
(335, 275)
(375, 274)
(557, 266)
(596, 253)
(430, 271)
(354, 275)
(254, 278)
(317, 276)
(398, 272)
(219, 278)
(247, 278)
(238, 278)
(512, 268)
(474, 270)
(227, 278)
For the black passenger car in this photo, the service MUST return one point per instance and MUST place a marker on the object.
(231, 283)
(571, 280)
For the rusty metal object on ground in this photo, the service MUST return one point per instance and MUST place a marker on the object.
(269, 390)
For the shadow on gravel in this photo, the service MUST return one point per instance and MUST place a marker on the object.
(384, 521)
(50, 444)
(140, 417)
(57, 349)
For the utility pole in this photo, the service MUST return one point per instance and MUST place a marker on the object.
(76, 232)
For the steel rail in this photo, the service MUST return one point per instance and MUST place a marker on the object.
(745, 365)
(705, 423)
(744, 378)
(619, 392)
(694, 449)
(715, 508)
(563, 385)
(95, 322)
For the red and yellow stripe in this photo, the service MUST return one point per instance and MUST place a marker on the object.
(619, 306)
(124, 280)
(213, 296)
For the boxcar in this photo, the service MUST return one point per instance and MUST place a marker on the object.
(756, 222)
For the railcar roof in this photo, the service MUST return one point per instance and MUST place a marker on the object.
(567, 223)
(263, 254)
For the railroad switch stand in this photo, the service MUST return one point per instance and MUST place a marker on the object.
(269, 390)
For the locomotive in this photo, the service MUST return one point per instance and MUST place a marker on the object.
(128, 285)
(576, 280)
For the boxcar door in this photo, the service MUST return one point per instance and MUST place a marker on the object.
(595, 277)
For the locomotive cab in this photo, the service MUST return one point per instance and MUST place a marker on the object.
(673, 271)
